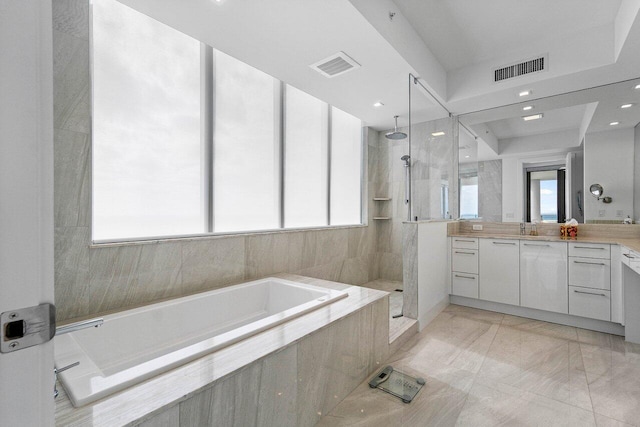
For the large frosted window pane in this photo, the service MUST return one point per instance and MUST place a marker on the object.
(245, 151)
(305, 175)
(346, 164)
(146, 126)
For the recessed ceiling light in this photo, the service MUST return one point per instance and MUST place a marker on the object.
(527, 108)
(637, 86)
(626, 105)
(378, 104)
(533, 117)
(439, 133)
(466, 157)
(525, 93)
(614, 123)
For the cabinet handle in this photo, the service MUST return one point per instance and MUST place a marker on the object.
(533, 244)
(503, 243)
(465, 277)
(589, 247)
(592, 263)
(466, 253)
(461, 240)
(589, 293)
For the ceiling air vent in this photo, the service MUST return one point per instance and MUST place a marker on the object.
(335, 65)
(520, 69)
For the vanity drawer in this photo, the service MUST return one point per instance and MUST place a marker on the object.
(464, 285)
(590, 273)
(464, 261)
(590, 250)
(464, 242)
(591, 303)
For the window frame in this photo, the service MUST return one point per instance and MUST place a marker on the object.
(208, 122)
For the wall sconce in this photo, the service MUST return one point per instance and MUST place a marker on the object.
(597, 191)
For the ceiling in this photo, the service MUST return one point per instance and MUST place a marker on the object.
(551, 121)
(452, 46)
(462, 32)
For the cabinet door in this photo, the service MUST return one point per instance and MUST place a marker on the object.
(543, 276)
(500, 271)
(465, 261)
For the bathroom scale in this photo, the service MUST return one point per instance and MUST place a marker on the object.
(397, 384)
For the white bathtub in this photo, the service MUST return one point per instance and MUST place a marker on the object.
(137, 344)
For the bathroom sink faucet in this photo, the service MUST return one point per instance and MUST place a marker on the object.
(522, 228)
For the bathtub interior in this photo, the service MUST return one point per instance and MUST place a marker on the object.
(136, 344)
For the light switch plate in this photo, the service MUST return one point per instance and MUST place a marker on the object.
(477, 227)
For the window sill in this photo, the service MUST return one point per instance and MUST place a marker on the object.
(212, 236)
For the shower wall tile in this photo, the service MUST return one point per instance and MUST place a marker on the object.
(113, 274)
(71, 85)
(410, 270)
(355, 271)
(159, 272)
(71, 17)
(390, 266)
(208, 264)
(72, 267)
(266, 255)
(71, 178)
(331, 246)
(490, 190)
(361, 242)
(329, 271)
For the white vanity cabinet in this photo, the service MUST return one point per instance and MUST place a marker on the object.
(499, 271)
(543, 276)
(590, 280)
(464, 266)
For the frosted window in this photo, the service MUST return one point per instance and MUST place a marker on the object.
(305, 176)
(346, 165)
(146, 126)
(246, 155)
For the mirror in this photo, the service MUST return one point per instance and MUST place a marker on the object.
(534, 160)
(596, 190)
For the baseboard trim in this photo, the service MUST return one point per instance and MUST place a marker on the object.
(426, 318)
(546, 316)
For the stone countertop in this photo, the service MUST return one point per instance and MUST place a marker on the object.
(631, 243)
(144, 400)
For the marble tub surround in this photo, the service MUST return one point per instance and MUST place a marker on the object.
(486, 368)
(288, 375)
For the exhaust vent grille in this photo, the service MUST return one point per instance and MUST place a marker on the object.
(335, 65)
(520, 69)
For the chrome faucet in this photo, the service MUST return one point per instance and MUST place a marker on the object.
(522, 228)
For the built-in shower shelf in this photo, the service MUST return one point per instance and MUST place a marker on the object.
(382, 199)
(380, 218)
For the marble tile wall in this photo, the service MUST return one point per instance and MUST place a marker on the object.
(295, 386)
(490, 190)
(89, 279)
(434, 162)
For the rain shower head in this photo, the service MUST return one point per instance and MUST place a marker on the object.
(395, 134)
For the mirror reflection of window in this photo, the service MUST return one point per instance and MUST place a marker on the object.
(545, 195)
(469, 196)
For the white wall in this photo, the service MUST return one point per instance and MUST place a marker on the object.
(543, 143)
(636, 175)
(609, 161)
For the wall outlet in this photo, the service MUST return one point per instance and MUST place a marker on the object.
(510, 215)
(477, 227)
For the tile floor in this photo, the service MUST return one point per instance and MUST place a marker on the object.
(484, 369)
(400, 324)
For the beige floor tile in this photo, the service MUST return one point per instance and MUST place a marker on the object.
(504, 405)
